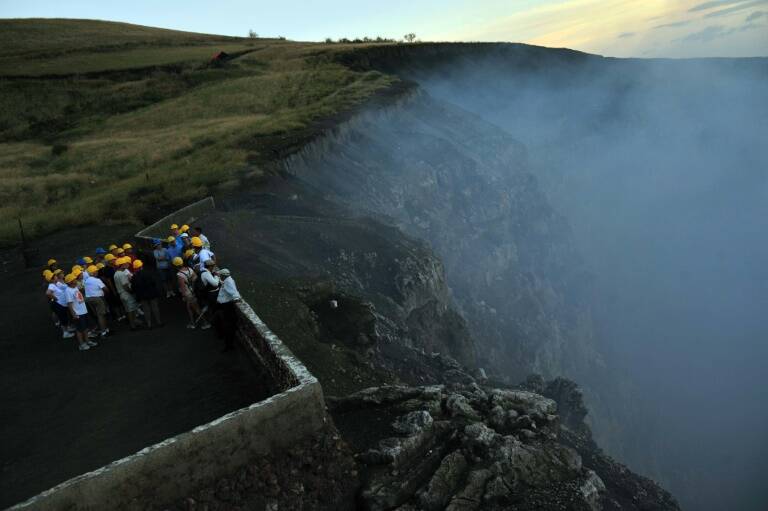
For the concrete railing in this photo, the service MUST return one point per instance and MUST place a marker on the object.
(165, 472)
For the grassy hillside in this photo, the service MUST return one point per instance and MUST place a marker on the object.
(151, 125)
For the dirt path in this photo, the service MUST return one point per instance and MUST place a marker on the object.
(65, 412)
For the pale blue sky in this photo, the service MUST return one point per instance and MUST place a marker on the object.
(666, 28)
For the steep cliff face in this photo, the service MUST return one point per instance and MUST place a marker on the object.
(445, 176)
(412, 245)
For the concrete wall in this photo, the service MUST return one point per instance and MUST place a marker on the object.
(167, 471)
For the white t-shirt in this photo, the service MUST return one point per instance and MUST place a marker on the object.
(122, 281)
(203, 256)
(204, 239)
(94, 287)
(74, 296)
(59, 292)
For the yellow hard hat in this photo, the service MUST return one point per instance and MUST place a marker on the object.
(177, 261)
(120, 250)
(109, 257)
(71, 277)
(170, 239)
(127, 246)
(189, 253)
(77, 272)
(174, 226)
(57, 271)
(51, 261)
(88, 260)
(137, 264)
(93, 270)
(112, 247)
(77, 267)
(184, 228)
(100, 266)
(47, 274)
(124, 260)
(197, 242)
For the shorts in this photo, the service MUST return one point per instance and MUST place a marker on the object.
(129, 302)
(82, 323)
(62, 313)
(97, 304)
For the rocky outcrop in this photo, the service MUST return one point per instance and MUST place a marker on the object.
(467, 447)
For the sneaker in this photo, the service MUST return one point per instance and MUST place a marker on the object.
(91, 343)
(121, 318)
(92, 335)
(139, 312)
(84, 346)
(191, 326)
(104, 333)
(67, 334)
(206, 326)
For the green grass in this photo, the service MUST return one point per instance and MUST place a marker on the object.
(80, 150)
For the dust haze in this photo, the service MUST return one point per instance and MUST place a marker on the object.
(661, 169)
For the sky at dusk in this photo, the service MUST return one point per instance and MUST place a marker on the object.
(622, 28)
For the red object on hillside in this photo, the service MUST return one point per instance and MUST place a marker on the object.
(220, 57)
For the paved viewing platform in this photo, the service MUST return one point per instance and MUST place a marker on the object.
(64, 412)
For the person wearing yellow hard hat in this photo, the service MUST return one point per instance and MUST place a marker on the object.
(87, 260)
(198, 232)
(57, 295)
(186, 279)
(184, 228)
(147, 294)
(113, 249)
(52, 264)
(202, 255)
(107, 275)
(78, 313)
(163, 264)
(128, 250)
(123, 278)
(95, 291)
(49, 293)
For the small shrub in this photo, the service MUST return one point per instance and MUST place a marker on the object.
(58, 149)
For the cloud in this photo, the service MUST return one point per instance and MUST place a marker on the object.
(755, 16)
(712, 32)
(624, 35)
(735, 8)
(711, 5)
(706, 34)
(673, 24)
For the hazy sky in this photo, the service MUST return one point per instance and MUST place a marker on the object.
(657, 28)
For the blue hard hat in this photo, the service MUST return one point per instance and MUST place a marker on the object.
(100, 251)
(157, 241)
(81, 261)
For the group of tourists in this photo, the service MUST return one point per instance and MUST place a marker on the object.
(113, 285)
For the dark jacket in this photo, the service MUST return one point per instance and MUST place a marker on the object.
(144, 286)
